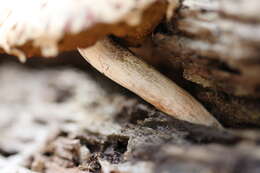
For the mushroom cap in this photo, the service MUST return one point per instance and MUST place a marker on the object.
(46, 27)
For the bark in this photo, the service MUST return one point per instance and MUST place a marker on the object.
(69, 121)
(211, 48)
(218, 40)
(64, 120)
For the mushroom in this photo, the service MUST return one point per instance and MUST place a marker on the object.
(47, 27)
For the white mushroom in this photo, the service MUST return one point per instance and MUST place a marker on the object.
(46, 27)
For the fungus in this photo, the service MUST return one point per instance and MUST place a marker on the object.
(47, 27)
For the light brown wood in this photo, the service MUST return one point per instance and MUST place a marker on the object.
(123, 67)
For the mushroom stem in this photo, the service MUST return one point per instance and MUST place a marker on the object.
(120, 65)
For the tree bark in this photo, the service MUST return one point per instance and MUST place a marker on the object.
(219, 43)
(68, 121)
(211, 48)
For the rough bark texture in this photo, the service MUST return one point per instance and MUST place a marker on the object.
(64, 120)
(75, 122)
(215, 44)
(219, 41)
